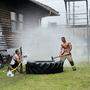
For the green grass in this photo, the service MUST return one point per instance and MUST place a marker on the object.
(68, 80)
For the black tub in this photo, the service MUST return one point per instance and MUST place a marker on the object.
(44, 67)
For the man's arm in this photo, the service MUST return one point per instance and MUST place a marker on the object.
(18, 58)
(61, 51)
(70, 46)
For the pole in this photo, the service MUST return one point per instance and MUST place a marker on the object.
(73, 13)
(69, 11)
(87, 12)
(87, 32)
(66, 12)
(21, 67)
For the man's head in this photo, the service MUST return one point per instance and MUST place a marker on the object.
(63, 39)
(17, 51)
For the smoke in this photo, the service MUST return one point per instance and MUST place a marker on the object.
(42, 43)
(39, 44)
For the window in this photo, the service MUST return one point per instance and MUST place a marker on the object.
(20, 22)
(16, 22)
(13, 22)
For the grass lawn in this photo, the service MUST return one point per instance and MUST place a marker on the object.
(68, 80)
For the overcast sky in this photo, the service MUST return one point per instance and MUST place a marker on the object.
(56, 4)
(60, 7)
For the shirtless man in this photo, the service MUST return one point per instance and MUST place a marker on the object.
(16, 59)
(65, 52)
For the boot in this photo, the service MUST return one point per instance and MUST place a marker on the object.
(73, 68)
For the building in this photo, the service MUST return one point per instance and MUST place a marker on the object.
(17, 15)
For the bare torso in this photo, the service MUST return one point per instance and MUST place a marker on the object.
(66, 48)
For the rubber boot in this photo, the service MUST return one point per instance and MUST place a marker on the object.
(73, 68)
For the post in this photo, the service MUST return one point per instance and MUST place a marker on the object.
(87, 11)
(66, 12)
(73, 13)
(69, 10)
(88, 43)
(21, 67)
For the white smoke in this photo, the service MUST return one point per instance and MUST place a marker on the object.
(42, 43)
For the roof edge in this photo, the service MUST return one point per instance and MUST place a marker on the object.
(53, 11)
